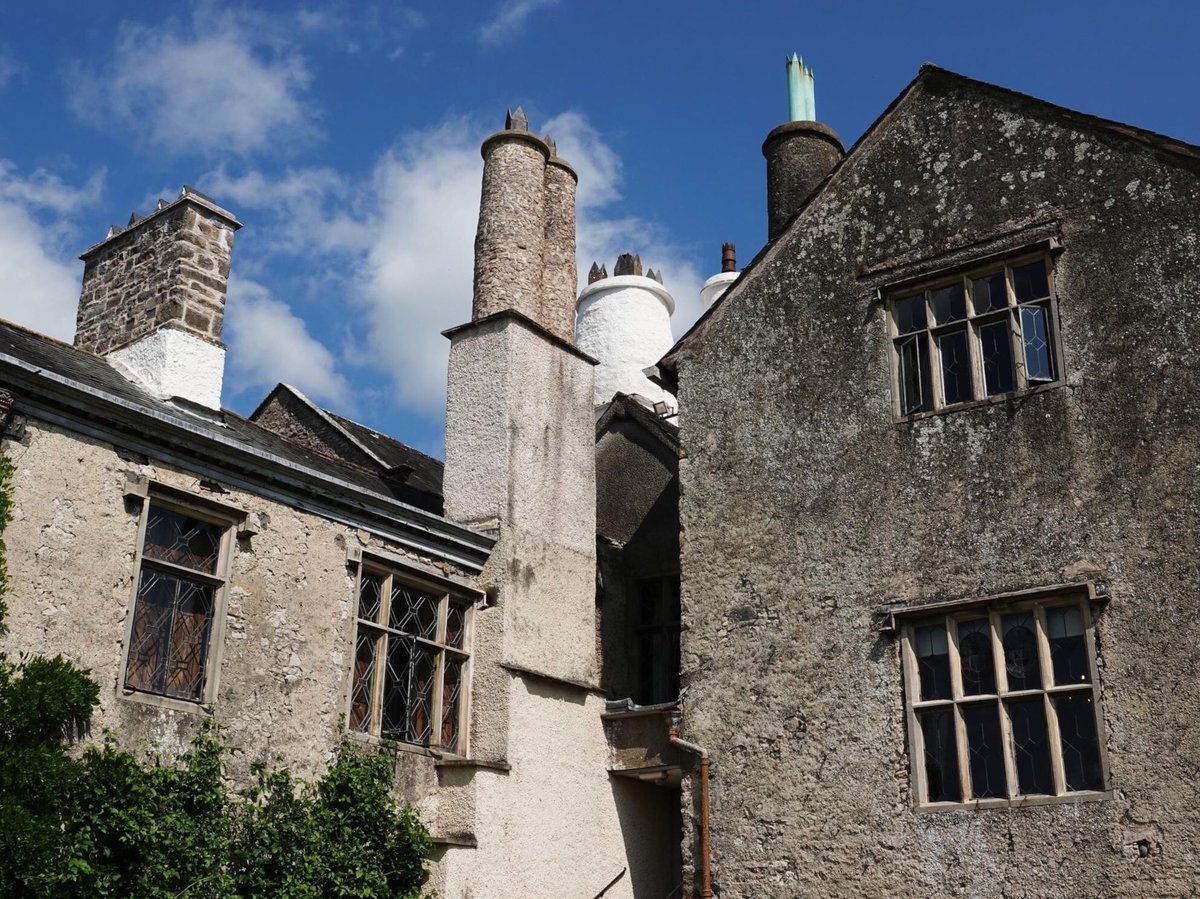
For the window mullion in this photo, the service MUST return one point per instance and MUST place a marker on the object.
(978, 386)
(378, 676)
(1020, 382)
(937, 395)
(916, 740)
(439, 674)
(956, 692)
(1010, 764)
(1052, 734)
(1090, 643)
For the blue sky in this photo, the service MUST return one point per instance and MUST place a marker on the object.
(345, 137)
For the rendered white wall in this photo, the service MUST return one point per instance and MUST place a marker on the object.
(715, 286)
(625, 323)
(170, 362)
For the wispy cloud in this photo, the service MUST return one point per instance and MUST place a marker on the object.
(225, 82)
(39, 276)
(510, 19)
(9, 67)
(269, 343)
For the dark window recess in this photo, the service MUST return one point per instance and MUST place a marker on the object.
(949, 304)
(995, 348)
(1068, 646)
(956, 367)
(655, 641)
(933, 662)
(1031, 749)
(1019, 637)
(975, 656)
(941, 756)
(914, 375)
(1080, 749)
(985, 752)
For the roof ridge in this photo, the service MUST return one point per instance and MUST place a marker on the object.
(378, 433)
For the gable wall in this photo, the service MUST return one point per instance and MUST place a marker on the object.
(806, 507)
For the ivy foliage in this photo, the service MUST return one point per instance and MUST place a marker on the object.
(102, 823)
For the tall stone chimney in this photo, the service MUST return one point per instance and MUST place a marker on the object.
(799, 153)
(153, 299)
(625, 323)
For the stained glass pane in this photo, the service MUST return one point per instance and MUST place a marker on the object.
(452, 681)
(1035, 334)
(956, 367)
(1031, 748)
(414, 612)
(975, 657)
(995, 350)
(933, 661)
(985, 750)
(988, 293)
(941, 756)
(1030, 283)
(1068, 646)
(168, 646)
(456, 625)
(1018, 633)
(397, 690)
(370, 594)
(181, 540)
(364, 680)
(949, 304)
(913, 355)
(910, 314)
(1080, 749)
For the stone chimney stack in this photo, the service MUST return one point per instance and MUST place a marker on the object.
(525, 242)
(799, 153)
(153, 299)
(624, 322)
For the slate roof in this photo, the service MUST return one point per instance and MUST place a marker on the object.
(43, 363)
(426, 470)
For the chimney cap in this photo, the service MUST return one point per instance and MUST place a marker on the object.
(186, 195)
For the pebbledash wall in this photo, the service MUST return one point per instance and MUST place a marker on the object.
(808, 506)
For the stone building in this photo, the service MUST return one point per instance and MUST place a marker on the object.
(872, 584)
(939, 511)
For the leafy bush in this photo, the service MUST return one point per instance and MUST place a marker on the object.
(102, 823)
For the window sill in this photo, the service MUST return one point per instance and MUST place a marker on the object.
(438, 755)
(1020, 802)
(202, 709)
(1009, 397)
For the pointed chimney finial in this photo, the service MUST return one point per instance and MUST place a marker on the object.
(594, 274)
(549, 142)
(728, 257)
(516, 121)
(628, 264)
(802, 102)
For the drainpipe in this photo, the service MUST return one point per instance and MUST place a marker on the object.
(705, 837)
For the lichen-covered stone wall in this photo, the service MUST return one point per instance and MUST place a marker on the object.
(806, 507)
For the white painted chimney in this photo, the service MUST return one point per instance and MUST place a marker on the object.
(715, 286)
(624, 322)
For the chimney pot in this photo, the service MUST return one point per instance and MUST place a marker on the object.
(728, 257)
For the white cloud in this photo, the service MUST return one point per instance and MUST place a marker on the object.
(403, 242)
(510, 19)
(8, 68)
(269, 343)
(39, 276)
(228, 83)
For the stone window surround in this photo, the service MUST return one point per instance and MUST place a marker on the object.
(146, 492)
(377, 560)
(993, 263)
(903, 620)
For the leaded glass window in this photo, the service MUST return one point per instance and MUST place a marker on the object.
(981, 334)
(411, 661)
(179, 578)
(1003, 703)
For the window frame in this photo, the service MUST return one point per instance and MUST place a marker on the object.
(446, 592)
(993, 608)
(971, 323)
(216, 514)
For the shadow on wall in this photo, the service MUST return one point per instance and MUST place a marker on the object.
(652, 830)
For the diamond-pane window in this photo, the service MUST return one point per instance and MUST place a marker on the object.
(177, 587)
(1003, 703)
(409, 682)
(989, 333)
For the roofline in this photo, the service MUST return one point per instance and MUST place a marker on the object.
(73, 404)
(668, 377)
(625, 405)
(325, 416)
(529, 324)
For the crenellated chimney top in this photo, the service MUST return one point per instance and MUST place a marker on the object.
(153, 297)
